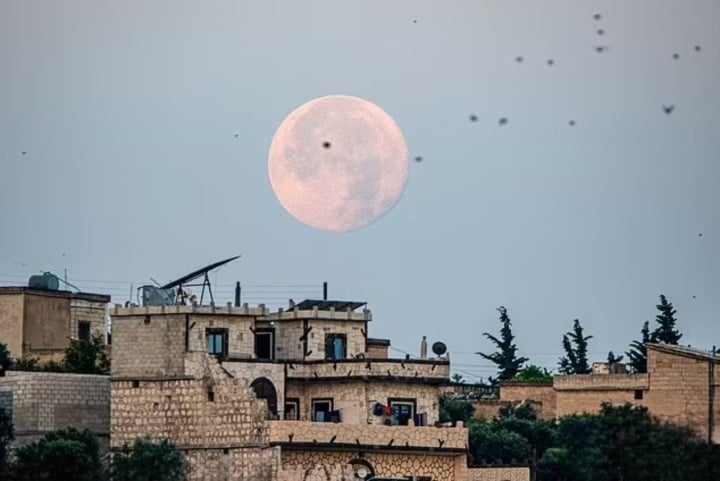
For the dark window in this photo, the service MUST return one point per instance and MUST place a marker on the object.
(292, 409)
(217, 341)
(638, 394)
(135, 384)
(403, 410)
(211, 396)
(322, 409)
(84, 330)
(264, 389)
(265, 343)
(335, 346)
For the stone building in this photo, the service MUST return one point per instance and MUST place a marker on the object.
(39, 322)
(680, 387)
(297, 395)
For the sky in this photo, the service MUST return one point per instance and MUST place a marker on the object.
(146, 126)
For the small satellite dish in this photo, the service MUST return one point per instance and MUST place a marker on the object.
(439, 348)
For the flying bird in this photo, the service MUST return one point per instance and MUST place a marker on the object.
(473, 118)
(601, 31)
(597, 16)
(236, 136)
(668, 110)
(700, 234)
(326, 145)
(697, 48)
(676, 56)
(551, 62)
(518, 59)
(503, 121)
(23, 153)
(601, 49)
(418, 159)
(571, 123)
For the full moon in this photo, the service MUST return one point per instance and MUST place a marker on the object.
(338, 163)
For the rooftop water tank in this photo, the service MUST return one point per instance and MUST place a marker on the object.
(47, 282)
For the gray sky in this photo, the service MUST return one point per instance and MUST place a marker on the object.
(128, 111)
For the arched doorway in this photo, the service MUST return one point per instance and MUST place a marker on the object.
(264, 389)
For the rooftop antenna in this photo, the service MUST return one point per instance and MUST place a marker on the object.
(185, 280)
(64, 281)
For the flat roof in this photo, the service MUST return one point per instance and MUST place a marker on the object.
(85, 296)
(325, 305)
(686, 351)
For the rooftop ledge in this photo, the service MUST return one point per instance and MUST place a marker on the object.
(601, 382)
(339, 435)
(360, 368)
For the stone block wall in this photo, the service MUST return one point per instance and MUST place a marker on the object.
(322, 327)
(544, 393)
(88, 311)
(251, 371)
(44, 402)
(589, 401)
(438, 370)
(368, 435)
(287, 339)
(241, 341)
(499, 474)
(679, 390)
(234, 464)
(355, 399)
(11, 323)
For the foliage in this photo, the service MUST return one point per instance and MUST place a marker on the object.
(457, 378)
(533, 373)
(148, 461)
(665, 332)
(61, 455)
(81, 357)
(505, 357)
(87, 357)
(575, 344)
(637, 355)
(453, 410)
(489, 445)
(6, 437)
(5, 360)
(613, 359)
(521, 411)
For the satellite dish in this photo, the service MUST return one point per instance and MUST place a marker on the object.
(439, 348)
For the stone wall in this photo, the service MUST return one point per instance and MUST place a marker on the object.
(287, 339)
(321, 327)
(251, 371)
(355, 399)
(234, 464)
(241, 341)
(46, 324)
(44, 402)
(453, 438)
(11, 322)
(544, 393)
(88, 311)
(332, 465)
(438, 370)
(679, 390)
(499, 474)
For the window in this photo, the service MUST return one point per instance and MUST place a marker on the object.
(292, 409)
(211, 396)
(217, 341)
(265, 343)
(403, 410)
(84, 330)
(321, 410)
(335, 346)
(638, 394)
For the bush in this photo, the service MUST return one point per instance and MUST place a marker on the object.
(147, 461)
(6, 437)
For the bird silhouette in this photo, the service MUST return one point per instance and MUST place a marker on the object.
(700, 234)
(668, 109)
(326, 145)
(601, 49)
(23, 153)
(698, 48)
(418, 159)
(473, 118)
(237, 135)
(503, 121)
(571, 123)
(518, 59)
(601, 31)
(551, 62)
(676, 56)
(597, 16)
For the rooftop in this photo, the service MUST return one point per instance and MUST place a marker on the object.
(85, 296)
(325, 305)
(685, 351)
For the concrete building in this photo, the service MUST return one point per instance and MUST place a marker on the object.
(38, 322)
(298, 395)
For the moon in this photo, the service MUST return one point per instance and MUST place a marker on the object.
(338, 163)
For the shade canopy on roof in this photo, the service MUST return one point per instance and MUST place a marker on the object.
(323, 305)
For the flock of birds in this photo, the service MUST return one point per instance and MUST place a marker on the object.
(502, 121)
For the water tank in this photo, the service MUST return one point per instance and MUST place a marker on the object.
(47, 282)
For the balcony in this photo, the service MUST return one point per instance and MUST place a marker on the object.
(435, 371)
(309, 435)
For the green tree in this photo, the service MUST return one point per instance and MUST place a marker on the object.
(665, 331)
(6, 437)
(490, 446)
(148, 461)
(533, 373)
(62, 455)
(505, 357)
(457, 378)
(87, 357)
(575, 344)
(5, 360)
(613, 359)
(453, 410)
(637, 355)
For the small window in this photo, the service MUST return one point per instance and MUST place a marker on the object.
(322, 410)
(638, 394)
(135, 384)
(265, 343)
(403, 410)
(292, 409)
(211, 396)
(335, 346)
(84, 331)
(217, 341)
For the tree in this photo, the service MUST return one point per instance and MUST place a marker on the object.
(613, 359)
(67, 454)
(6, 437)
(87, 357)
(533, 373)
(488, 445)
(575, 344)
(457, 378)
(148, 461)
(5, 360)
(665, 332)
(453, 410)
(637, 355)
(505, 357)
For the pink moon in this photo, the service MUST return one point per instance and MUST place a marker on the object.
(338, 163)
